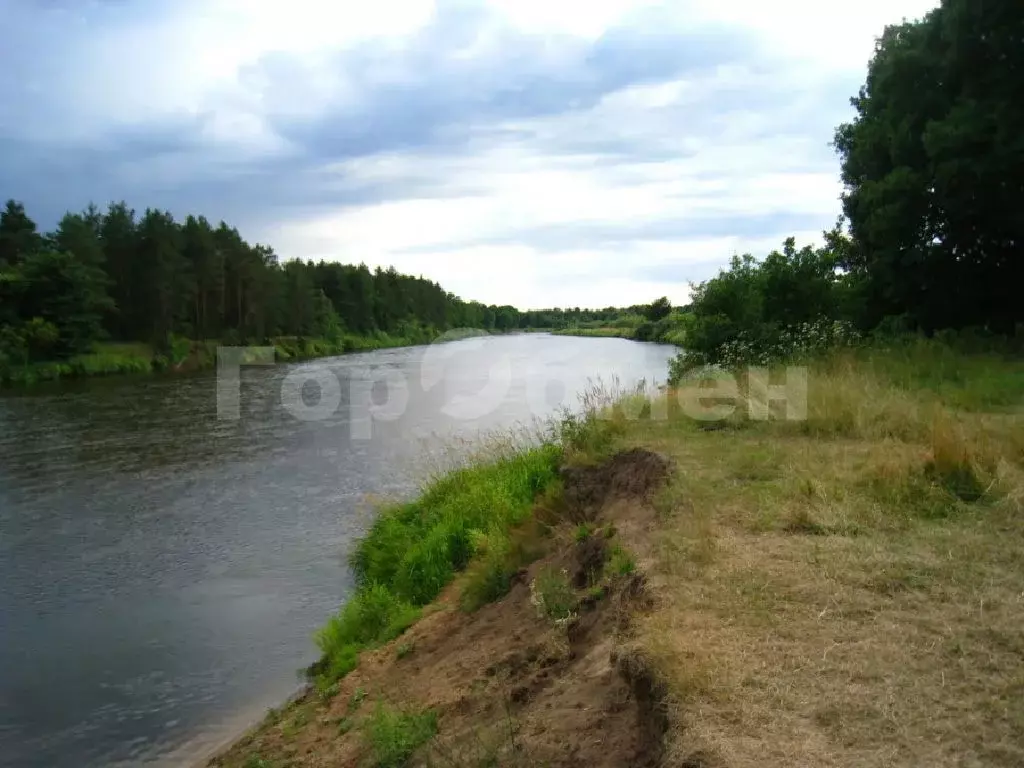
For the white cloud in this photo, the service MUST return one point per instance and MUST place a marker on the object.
(827, 34)
(577, 202)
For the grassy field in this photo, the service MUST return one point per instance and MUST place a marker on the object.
(849, 589)
(840, 589)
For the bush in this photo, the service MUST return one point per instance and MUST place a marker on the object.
(791, 304)
(766, 346)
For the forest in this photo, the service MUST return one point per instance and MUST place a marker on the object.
(118, 276)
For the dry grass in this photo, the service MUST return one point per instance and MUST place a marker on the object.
(845, 591)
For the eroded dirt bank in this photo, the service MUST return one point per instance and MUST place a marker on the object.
(508, 684)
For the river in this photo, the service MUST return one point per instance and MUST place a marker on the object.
(165, 558)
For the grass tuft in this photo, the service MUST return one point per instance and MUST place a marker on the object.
(951, 463)
(620, 562)
(582, 532)
(392, 736)
(372, 617)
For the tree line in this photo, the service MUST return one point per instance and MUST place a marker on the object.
(933, 169)
(117, 275)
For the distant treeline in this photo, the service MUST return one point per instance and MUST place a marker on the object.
(116, 276)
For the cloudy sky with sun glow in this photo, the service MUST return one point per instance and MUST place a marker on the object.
(532, 152)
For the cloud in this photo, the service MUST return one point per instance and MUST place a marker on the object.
(525, 152)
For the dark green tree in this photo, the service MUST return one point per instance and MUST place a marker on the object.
(933, 165)
(206, 265)
(659, 310)
(18, 235)
(67, 293)
(119, 238)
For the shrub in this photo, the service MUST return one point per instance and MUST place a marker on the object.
(589, 434)
(767, 345)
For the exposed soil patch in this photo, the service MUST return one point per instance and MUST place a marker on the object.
(590, 556)
(649, 692)
(509, 686)
(632, 474)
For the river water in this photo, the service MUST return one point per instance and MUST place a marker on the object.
(165, 558)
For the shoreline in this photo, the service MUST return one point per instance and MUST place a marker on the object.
(50, 374)
(200, 751)
(202, 357)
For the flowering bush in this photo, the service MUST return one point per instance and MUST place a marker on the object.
(765, 346)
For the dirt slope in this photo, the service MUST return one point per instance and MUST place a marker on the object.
(510, 686)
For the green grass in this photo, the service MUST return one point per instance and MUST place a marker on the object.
(582, 532)
(413, 550)
(620, 562)
(294, 348)
(104, 360)
(966, 375)
(598, 333)
(372, 617)
(668, 330)
(393, 736)
(490, 576)
(122, 358)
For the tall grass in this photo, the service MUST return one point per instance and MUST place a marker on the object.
(296, 348)
(962, 371)
(948, 420)
(413, 550)
(104, 360)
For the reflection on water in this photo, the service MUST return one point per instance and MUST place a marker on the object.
(163, 570)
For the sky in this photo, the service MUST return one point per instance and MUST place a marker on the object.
(537, 153)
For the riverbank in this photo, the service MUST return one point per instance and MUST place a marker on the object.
(186, 355)
(598, 333)
(836, 590)
(670, 329)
